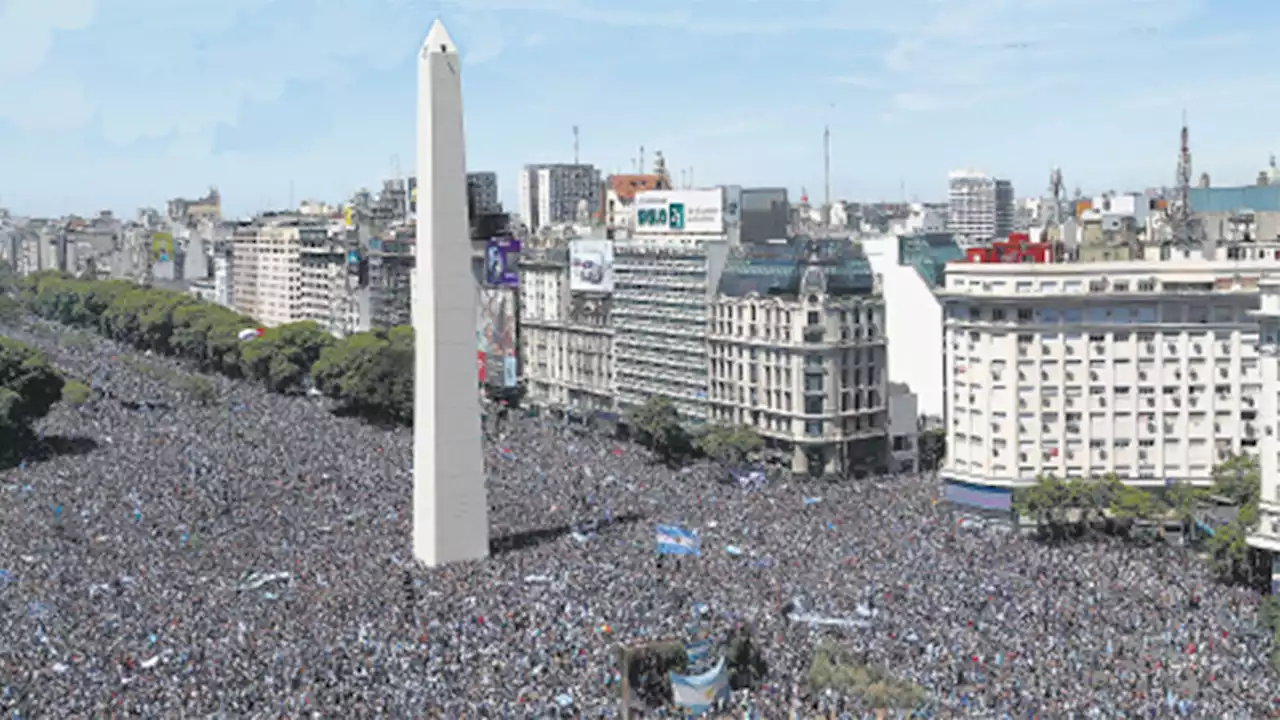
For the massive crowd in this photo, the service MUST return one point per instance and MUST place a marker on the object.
(251, 558)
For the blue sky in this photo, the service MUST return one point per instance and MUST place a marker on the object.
(122, 103)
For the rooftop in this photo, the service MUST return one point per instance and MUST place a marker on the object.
(778, 268)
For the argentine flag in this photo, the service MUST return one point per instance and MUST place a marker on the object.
(675, 540)
(698, 693)
(699, 652)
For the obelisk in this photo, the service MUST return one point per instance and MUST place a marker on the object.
(450, 507)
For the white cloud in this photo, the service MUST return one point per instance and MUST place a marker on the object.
(27, 28)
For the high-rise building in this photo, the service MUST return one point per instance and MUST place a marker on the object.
(797, 352)
(664, 282)
(980, 207)
(552, 194)
(482, 193)
(1145, 369)
(1266, 537)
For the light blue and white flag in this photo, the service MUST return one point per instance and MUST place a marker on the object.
(675, 540)
(698, 693)
(699, 652)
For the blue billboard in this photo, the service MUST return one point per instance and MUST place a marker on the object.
(500, 262)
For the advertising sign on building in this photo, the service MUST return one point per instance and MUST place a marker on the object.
(500, 262)
(680, 211)
(591, 266)
(161, 247)
(496, 334)
(732, 205)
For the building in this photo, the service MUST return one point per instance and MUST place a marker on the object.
(904, 430)
(390, 259)
(662, 281)
(1267, 535)
(912, 269)
(1017, 249)
(980, 207)
(796, 346)
(620, 195)
(205, 209)
(288, 268)
(1145, 369)
(482, 194)
(552, 194)
(566, 339)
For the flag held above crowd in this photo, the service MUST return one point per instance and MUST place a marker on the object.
(698, 693)
(675, 540)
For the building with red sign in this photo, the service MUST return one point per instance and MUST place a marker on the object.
(1017, 249)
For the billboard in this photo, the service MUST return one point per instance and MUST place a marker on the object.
(495, 332)
(591, 266)
(680, 211)
(161, 247)
(500, 262)
(413, 195)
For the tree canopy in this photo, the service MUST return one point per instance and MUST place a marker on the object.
(29, 387)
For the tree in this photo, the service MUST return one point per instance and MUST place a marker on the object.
(370, 374)
(29, 387)
(75, 393)
(282, 358)
(933, 448)
(658, 420)
(1133, 504)
(728, 444)
(1238, 480)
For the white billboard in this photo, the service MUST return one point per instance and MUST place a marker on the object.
(680, 211)
(591, 266)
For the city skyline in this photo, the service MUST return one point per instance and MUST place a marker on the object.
(130, 104)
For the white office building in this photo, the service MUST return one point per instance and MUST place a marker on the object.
(1267, 535)
(797, 352)
(1149, 370)
(665, 279)
(551, 194)
(980, 207)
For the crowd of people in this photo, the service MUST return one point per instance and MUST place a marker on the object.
(251, 557)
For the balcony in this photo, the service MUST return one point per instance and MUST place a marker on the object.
(815, 333)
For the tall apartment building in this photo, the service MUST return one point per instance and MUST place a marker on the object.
(391, 277)
(288, 268)
(980, 207)
(796, 350)
(551, 194)
(1267, 535)
(665, 278)
(482, 193)
(1146, 369)
(566, 340)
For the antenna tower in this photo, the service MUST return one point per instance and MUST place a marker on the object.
(1184, 225)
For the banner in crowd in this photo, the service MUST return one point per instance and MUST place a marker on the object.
(747, 477)
(675, 540)
(697, 693)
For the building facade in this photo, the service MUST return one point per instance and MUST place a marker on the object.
(1146, 369)
(288, 268)
(482, 193)
(551, 194)
(980, 207)
(1267, 535)
(796, 350)
(566, 341)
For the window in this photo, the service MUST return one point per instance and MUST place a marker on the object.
(813, 428)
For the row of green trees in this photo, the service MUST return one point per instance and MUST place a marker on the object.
(370, 373)
(1062, 508)
(658, 422)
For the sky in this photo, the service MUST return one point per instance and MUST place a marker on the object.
(120, 104)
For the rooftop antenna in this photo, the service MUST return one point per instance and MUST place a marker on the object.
(826, 174)
(641, 159)
(1183, 223)
(575, 144)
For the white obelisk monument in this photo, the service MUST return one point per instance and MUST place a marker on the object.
(450, 507)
